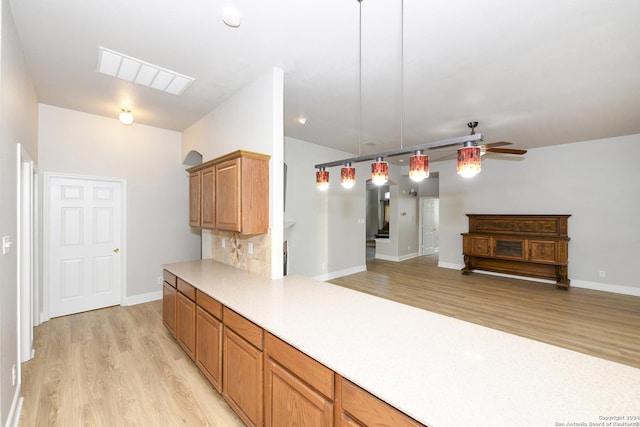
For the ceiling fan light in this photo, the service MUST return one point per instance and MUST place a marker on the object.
(322, 179)
(379, 172)
(348, 176)
(125, 117)
(418, 166)
(469, 161)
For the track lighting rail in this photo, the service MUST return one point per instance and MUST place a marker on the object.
(406, 150)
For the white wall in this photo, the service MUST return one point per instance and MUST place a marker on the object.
(18, 124)
(594, 181)
(328, 238)
(157, 188)
(252, 120)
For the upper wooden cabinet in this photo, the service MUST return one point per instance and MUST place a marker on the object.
(231, 193)
(208, 197)
(194, 199)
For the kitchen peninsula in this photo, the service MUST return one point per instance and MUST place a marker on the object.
(439, 370)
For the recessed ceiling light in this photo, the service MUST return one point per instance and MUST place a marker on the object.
(302, 120)
(370, 143)
(125, 67)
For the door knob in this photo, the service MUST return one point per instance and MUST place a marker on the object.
(116, 250)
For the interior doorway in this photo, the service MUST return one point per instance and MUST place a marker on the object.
(84, 247)
(429, 225)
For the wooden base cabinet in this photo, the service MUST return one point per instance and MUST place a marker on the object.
(356, 407)
(298, 390)
(186, 318)
(209, 338)
(242, 364)
(266, 381)
(169, 298)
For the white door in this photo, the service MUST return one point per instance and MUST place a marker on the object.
(429, 225)
(85, 226)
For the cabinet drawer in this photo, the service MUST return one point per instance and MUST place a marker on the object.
(169, 278)
(186, 289)
(212, 306)
(243, 327)
(369, 410)
(309, 370)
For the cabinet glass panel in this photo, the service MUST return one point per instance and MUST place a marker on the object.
(509, 248)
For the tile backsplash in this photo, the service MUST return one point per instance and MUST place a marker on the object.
(233, 249)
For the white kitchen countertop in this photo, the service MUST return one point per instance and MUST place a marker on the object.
(441, 371)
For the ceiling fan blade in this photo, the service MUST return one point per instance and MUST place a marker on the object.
(495, 144)
(506, 150)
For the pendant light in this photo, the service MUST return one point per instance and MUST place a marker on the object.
(322, 179)
(469, 156)
(348, 176)
(379, 172)
(418, 166)
(469, 160)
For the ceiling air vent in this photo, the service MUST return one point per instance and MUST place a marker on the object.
(125, 67)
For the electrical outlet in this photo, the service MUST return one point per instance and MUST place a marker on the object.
(224, 243)
(249, 248)
(602, 273)
(159, 280)
(6, 244)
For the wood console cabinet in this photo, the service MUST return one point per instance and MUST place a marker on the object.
(527, 245)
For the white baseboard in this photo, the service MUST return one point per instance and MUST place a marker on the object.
(16, 408)
(450, 265)
(142, 298)
(604, 287)
(396, 258)
(340, 273)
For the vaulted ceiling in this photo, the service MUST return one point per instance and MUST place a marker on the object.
(532, 72)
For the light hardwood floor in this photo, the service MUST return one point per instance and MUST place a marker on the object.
(601, 324)
(117, 366)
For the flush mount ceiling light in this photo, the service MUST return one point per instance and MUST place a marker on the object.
(303, 120)
(231, 17)
(134, 70)
(125, 116)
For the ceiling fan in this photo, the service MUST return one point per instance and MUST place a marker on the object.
(492, 147)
